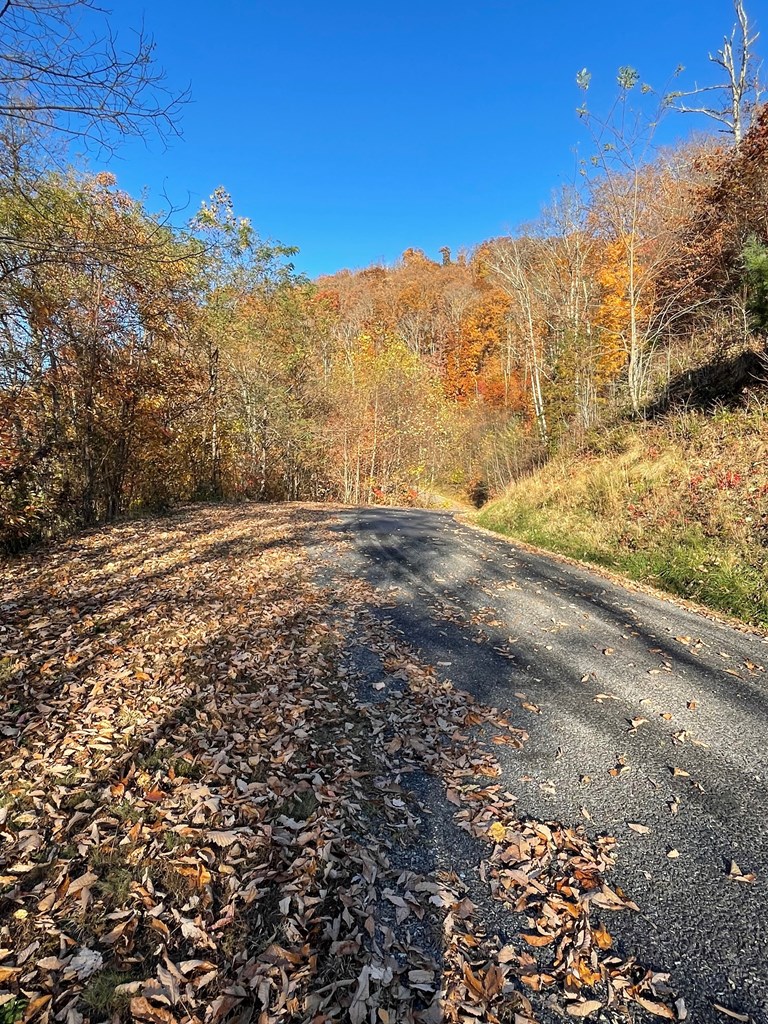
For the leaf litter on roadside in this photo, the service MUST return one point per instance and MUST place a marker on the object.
(199, 807)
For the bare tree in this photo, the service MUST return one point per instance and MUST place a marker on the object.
(56, 73)
(734, 99)
(515, 264)
(569, 249)
(638, 203)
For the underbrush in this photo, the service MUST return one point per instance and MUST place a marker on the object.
(681, 502)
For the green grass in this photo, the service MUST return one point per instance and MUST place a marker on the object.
(124, 810)
(678, 506)
(12, 1011)
(301, 806)
(116, 885)
(7, 672)
(689, 565)
(100, 996)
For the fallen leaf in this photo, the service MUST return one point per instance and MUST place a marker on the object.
(584, 1009)
(602, 937)
(732, 1013)
(656, 1008)
(497, 832)
(142, 1009)
(735, 872)
(86, 962)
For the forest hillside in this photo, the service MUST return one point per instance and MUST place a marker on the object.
(600, 371)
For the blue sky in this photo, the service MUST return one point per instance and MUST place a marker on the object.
(355, 130)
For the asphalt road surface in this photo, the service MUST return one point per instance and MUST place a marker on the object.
(648, 713)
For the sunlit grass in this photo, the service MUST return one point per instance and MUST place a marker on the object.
(682, 505)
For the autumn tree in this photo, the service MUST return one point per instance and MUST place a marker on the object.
(638, 204)
(92, 350)
(581, 363)
(252, 339)
(516, 265)
(721, 241)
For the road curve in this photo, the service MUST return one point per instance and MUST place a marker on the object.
(639, 712)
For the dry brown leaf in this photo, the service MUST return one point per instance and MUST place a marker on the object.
(584, 1009)
(602, 937)
(142, 1009)
(656, 1008)
(733, 1014)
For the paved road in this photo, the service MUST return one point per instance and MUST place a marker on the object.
(633, 691)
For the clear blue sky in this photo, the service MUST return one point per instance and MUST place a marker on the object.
(354, 130)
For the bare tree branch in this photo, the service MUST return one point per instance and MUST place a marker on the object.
(742, 90)
(55, 73)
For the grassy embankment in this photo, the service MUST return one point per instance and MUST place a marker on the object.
(681, 503)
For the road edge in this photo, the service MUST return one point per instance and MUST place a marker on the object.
(626, 582)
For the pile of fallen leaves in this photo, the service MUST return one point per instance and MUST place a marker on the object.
(202, 813)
